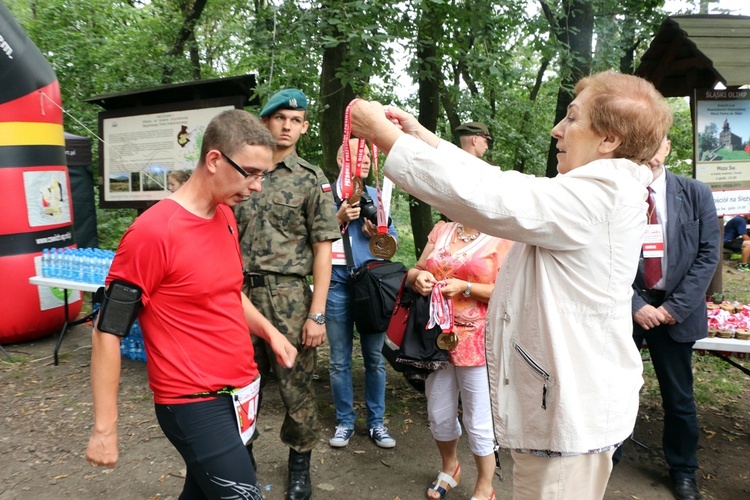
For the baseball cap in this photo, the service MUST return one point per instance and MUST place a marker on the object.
(285, 99)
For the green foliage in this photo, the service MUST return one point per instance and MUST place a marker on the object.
(111, 224)
(680, 160)
(400, 216)
(500, 62)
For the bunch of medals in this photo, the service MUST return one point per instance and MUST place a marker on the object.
(382, 245)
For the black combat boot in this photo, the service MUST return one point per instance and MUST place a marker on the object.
(300, 487)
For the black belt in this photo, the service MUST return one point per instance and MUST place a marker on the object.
(254, 280)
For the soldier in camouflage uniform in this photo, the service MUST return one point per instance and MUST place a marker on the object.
(286, 232)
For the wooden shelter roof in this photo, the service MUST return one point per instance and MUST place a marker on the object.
(698, 51)
(180, 92)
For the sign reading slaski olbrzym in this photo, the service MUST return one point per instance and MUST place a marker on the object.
(722, 146)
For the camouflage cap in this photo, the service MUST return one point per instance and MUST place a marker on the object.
(473, 128)
(285, 99)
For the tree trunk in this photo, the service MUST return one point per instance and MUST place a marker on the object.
(575, 29)
(191, 11)
(429, 110)
(334, 97)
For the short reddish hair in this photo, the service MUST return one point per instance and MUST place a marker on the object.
(630, 108)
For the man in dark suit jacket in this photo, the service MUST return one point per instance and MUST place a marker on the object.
(670, 314)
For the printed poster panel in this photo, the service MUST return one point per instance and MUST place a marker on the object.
(141, 151)
(722, 139)
(47, 197)
(733, 202)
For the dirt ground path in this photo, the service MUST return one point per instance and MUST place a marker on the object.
(45, 420)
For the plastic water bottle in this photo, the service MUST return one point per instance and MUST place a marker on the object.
(87, 267)
(45, 263)
(80, 274)
(54, 269)
(67, 264)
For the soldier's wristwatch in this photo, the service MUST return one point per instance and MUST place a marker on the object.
(318, 318)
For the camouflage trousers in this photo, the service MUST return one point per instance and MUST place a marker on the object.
(286, 306)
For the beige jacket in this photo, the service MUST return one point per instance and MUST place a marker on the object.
(564, 371)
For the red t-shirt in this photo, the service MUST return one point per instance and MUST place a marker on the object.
(194, 328)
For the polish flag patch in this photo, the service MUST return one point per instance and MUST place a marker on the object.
(326, 187)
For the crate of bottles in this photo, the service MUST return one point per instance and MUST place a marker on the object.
(131, 347)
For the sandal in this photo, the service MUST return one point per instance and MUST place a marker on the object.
(447, 480)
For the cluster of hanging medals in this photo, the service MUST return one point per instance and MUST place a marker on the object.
(382, 245)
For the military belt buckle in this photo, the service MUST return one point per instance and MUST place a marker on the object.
(254, 280)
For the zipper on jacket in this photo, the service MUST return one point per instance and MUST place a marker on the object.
(538, 369)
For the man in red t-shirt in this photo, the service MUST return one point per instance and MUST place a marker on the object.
(183, 255)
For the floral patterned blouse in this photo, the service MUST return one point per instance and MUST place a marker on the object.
(477, 262)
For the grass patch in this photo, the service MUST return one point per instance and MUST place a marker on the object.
(715, 383)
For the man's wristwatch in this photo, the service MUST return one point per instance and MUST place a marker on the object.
(318, 318)
(467, 292)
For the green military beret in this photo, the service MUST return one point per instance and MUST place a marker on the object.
(285, 99)
(473, 128)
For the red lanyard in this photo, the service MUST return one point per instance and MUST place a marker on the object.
(382, 223)
(347, 189)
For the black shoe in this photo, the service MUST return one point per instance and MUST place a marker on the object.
(300, 487)
(686, 489)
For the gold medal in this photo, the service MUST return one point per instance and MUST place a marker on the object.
(383, 246)
(358, 186)
(447, 341)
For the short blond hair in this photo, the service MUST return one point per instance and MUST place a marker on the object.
(630, 108)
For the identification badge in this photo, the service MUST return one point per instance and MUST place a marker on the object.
(653, 242)
(245, 402)
(338, 255)
(383, 246)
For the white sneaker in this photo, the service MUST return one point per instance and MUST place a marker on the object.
(341, 437)
(380, 435)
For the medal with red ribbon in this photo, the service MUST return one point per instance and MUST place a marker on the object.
(382, 245)
(441, 314)
(352, 185)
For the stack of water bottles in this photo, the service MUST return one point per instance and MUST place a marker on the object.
(131, 346)
(84, 265)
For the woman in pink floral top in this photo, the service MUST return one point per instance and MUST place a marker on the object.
(466, 261)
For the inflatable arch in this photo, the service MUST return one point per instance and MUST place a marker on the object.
(34, 186)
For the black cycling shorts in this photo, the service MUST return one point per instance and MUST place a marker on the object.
(205, 433)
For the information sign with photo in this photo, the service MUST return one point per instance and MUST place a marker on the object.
(722, 146)
(143, 145)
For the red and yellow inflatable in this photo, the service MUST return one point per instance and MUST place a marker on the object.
(34, 187)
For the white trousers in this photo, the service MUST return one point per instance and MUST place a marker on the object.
(442, 389)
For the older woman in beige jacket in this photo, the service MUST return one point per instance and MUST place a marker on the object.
(564, 376)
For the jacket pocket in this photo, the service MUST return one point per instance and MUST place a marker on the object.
(536, 368)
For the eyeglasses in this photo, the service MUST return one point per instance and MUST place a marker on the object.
(245, 173)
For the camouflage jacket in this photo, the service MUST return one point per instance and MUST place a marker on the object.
(278, 226)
